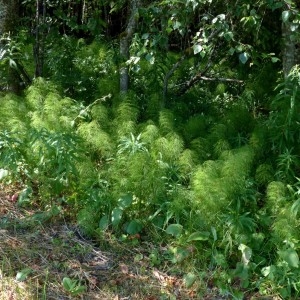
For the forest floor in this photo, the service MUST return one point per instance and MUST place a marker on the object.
(54, 261)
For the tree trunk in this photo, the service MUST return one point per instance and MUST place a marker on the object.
(9, 12)
(125, 41)
(9, 16)
(38, 48)
(290, 52)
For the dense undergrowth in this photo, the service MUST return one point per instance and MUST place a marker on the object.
(210, 177)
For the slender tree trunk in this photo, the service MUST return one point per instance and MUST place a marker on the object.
(9, 12)
(289, 51)
(290, 43)
(125, 41)
(39, 37)
(9, 16)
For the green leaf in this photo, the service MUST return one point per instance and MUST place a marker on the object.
(3, 173)
(179, 255)
(134, 227)
(145, 36)
(125, 201)
(290, 256)
(104, 222)
(116, 216)
(69, 284)
(78, 290)
(214, 233)
(150, 58)
(189, 279)
(22, 275)
(294, 27)
(174, 229)
(24, 196)
(197, 48)
(228, 36)
(275, 59)
(243, 57)
(269, 271)
(285, 15)
(199, 236)
(246, 253)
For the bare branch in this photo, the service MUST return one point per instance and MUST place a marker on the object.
(187, 85)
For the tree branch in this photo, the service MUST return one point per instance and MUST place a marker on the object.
(198, 77)
(167, 77)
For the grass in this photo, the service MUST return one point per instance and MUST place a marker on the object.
(38, 259)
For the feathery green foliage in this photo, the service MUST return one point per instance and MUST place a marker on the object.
(217, 183)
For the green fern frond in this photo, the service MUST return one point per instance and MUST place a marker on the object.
(96, 138)
(37, 93)
(221, 146)
(285, 226)
(237, 163)
(56, 115)
(210, 194)
(87, 173)
(14, 114)
(100, 113)
(276, 196)
(220, 132)
(195, 127)
(258, 139)
(201, 146)
(217, 183)
(150, 134)
(127, 110)
(125, 129)
(187, 161)
(169, 147)
(264, 174)
(166, 121)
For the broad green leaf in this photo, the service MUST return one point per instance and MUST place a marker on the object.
(285, 15)
(228, 36)
(176, 25)
(3, 173)
(145, 36)
(246, 253)
(275, 59)
(243, 57)
(179, 254)
(197, 48)
(199, 236)
(104, 222)
(134, 227)
(174, 229)
(68, 283)
(294, 27)
(78, 290)
(22, 275)
(116, 216)
(24, 196)
(150, 58)
(290, 256)
(125, 201)
(189, 279)
(269, 271)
